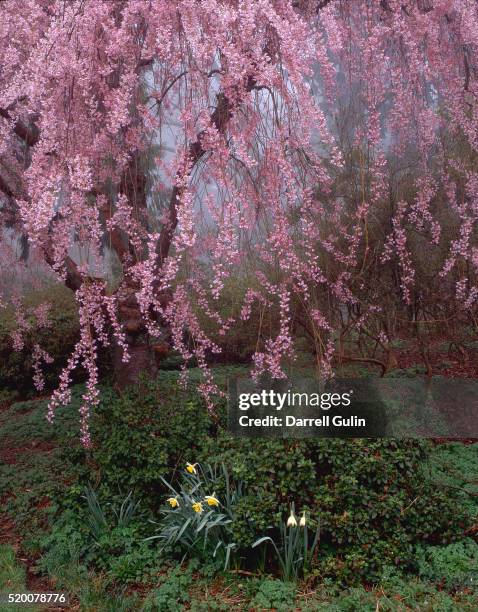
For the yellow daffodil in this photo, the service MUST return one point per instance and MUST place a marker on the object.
(211, 500)
(291, 521)
(302, 521)
(173, 502)
(191, 468)
(197, 507)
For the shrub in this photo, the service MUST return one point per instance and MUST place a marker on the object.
(141, 435)
(372, 496)
(58, 340)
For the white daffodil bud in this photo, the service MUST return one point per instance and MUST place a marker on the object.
(302, 521)
(291, 521)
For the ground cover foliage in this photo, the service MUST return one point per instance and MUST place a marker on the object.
(397, 518)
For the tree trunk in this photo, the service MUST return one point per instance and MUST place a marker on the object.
(145, 355)
(142, 361)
